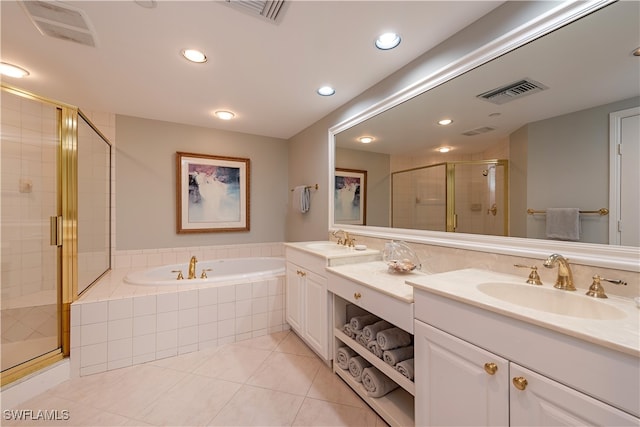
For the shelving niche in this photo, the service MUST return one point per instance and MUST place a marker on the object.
(396, 407)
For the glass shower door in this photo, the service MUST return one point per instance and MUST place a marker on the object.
(31, 300)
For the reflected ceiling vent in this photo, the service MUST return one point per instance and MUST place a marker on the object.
(512, 91)
(59, 20)
(478, 131)
(271, 11)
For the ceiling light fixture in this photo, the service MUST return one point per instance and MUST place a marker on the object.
(388, 41)
(443, 149)
(224, 115)
(445, 122)
(366, 139)
(11, 70)
(194, 55)
(326, 91)
(636, 52)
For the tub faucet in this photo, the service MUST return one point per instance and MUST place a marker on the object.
(565, 276)
(192, 267)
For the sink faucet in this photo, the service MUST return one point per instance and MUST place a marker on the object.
(192, 267)
(565, 276)
(345, 240)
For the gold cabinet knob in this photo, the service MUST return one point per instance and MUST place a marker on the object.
(490, 368)
(357, 295)
(301, 273)
(520, 383)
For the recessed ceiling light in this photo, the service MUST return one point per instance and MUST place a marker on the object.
(11, 70)
(445, 122)
(326, 91)
(194, 55)
(443, 149)
(636, 52)
(224, 115)
(365, 139)
(388, 41)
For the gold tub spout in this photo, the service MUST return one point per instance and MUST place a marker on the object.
(192, 267)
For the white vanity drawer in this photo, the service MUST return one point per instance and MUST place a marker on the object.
(391, 309)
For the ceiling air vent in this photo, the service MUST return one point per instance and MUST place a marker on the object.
(59, 20)
(478, 131)
(512, 91)
(270, 10)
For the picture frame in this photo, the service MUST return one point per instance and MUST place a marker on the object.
(350, 196)
(212, 193)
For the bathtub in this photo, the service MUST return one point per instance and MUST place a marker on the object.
(221, 270)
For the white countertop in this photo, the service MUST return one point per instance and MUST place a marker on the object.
(619, 334)
(331, 250)
(375, 275)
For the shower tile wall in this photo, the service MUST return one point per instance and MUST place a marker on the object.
(29, 135)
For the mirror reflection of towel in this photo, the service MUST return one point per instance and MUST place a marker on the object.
(563, 224)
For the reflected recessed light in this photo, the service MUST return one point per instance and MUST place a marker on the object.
(194, 55)
(365, 139)
(445, 122)
(224, 115)
(388, 41)
(11, 70)
(326, 91)
(443, 149)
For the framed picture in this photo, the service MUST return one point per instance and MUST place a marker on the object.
(212, 193)
(350, 196)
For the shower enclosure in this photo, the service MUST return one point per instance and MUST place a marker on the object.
(55, 215)
(463, 197)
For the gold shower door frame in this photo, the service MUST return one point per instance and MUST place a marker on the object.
(67, 248)
(450, 183)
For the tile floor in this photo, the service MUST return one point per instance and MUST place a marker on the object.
(274, 380)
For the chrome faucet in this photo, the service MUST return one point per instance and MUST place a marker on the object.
(192, 267)
(565, 276)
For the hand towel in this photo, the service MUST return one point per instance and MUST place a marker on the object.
(357, 365)
(359, 322)
(301, 198)
(393, 338)
(371, 331)
(375, 348)
(348, 331)
(376, 383)
(361, 338)
(563, 224)
(397, 355)
(343, 355)
(406, 368)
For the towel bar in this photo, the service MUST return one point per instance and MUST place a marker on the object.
(601, 211)
(310, 187)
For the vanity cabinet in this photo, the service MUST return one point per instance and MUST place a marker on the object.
(482, 368)
(307, 301)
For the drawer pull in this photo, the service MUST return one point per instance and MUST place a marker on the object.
(490, 368)
(301, 273)
(520, 383)
(357, 295)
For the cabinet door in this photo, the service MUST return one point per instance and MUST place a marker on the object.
(543, 402)
(316, 319)
(458, 383)
(294, 293)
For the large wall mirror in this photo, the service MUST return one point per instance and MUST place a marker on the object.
(533, 129)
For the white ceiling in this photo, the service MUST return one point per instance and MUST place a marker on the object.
(266, 73)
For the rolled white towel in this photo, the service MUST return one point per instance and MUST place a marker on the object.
(343, 355)
(374, 348)
(359, 322)
(406, 368)
(348, 331)
(393, 338)
(376, 383)
(361, 339)
(397, 355)
(357, 365)
(370, 331)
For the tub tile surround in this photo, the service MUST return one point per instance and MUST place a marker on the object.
(116, 325)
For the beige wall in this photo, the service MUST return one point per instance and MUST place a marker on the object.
(146, 183)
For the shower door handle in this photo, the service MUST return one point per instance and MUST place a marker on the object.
(55, 230)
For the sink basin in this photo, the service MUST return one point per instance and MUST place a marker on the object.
(553, 301)
(326, 246)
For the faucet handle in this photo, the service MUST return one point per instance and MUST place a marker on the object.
(534, 277)
(180, 276)
(204, 273)
(596, 290)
